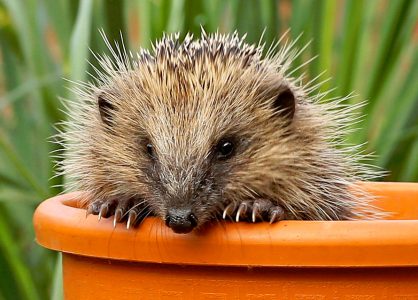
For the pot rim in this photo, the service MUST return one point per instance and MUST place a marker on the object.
(61, 226)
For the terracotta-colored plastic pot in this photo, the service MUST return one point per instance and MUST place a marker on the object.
(286, 260)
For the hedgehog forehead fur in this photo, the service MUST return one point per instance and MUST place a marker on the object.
(185, 97)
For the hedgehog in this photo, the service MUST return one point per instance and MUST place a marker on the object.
(199, 130)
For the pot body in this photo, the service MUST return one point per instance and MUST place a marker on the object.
(93, 278)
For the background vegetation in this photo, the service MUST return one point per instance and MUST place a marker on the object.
(369, 47)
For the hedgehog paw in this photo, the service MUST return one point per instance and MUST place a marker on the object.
(101, 208)
(254, 211)
(132, 211)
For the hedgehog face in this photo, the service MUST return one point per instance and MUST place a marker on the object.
(189, 140)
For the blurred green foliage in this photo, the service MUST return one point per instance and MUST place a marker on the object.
(369, 47)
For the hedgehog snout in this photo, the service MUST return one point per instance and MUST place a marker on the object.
(181, 220)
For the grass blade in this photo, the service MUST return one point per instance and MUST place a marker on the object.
(349, 45)
(328, 13)
(21, 168)
(19, 271)
(410, 168)
(80, 40)
(57, 284)
(398, 12)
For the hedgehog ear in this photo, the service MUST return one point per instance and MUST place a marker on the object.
(105, 109)
(285, 103)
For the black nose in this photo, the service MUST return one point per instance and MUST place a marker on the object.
(180, 220)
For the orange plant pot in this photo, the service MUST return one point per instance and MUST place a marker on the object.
(286, 260)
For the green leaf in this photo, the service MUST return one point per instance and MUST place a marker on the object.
(57, 284)
(20, 167)
(349, 45)
(19, 272)
(327, 17)
(80, 38)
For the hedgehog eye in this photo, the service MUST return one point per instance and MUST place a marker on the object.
(150, 150)
(225, 149)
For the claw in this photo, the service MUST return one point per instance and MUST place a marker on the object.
(242, 208)
(103, 211)
(273, 217)
(276, 214)
(256, 209)
(131, 218)
(225, 212)
(118, 217)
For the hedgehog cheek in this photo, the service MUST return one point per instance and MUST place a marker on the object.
(284, 104)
